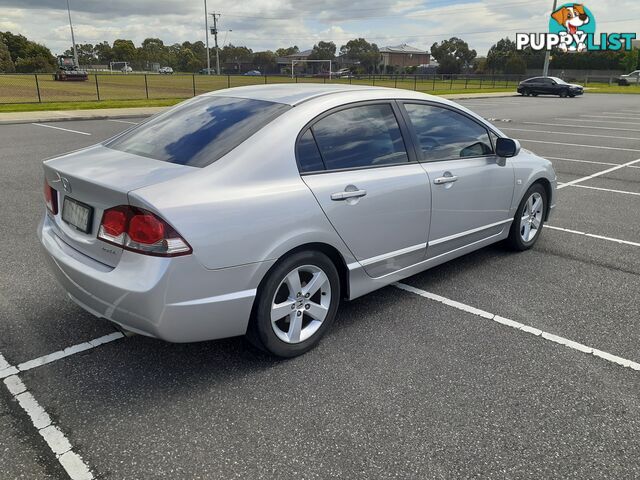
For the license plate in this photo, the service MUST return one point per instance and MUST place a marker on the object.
(77, 214)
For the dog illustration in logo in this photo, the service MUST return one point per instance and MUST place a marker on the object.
(571, 17)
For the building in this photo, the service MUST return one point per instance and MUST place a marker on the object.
(284, 63)
(402, 56)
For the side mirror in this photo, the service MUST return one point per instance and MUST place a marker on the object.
(507, 147)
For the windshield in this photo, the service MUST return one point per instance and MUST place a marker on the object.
(199, 131)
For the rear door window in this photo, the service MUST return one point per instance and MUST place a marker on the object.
(361, 136)
(200, 131)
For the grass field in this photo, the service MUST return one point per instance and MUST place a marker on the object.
(41, 92)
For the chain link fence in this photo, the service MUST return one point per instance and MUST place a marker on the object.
(39, 88)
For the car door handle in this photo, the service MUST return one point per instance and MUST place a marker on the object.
(345, 195)
(447, 179)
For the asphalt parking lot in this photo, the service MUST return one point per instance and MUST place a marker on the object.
(408, 384)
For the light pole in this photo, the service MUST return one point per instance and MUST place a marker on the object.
(547, 56)
(73, 40)
(206, 30)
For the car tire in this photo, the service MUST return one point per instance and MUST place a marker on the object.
(534, 94)
(288, 323)
(527, 225)
(525, 93)
(563, 94)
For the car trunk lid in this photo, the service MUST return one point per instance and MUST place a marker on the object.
(98, 178)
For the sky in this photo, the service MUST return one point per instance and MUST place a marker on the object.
(270, 24)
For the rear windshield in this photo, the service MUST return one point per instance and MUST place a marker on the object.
(199, 131)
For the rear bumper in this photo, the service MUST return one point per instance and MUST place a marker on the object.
(174, 299)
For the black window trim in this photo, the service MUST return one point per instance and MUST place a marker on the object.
(405, 134)
(414, 137)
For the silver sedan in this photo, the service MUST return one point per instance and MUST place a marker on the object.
(256, 210)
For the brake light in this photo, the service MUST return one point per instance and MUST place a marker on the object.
(50, 198)
(141, 231)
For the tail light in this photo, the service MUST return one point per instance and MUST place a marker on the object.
(51, 198)
(141, 231)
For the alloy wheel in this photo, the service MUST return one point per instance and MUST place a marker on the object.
(300, 304)
(531, 219)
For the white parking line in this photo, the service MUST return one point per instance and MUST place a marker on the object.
(598, 174)
(623, 112)
(523, 328)
(581, 145)
(51, 433)
(597, 121)
(123, 121)
(593, 235)
(60, 128)
(81, 347)
(582, 161)
(572, 134)
(605, 189)
(612, 117)
(580, 126)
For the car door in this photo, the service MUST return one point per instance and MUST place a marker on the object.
(373, 191)
(550, 86)
(471, 187)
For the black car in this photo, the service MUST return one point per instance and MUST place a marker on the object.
(549, 86)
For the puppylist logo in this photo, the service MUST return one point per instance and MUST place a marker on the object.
(572, 28)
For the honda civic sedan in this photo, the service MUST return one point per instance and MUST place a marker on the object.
(256, 210)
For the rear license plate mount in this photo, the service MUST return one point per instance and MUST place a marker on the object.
(77, 214)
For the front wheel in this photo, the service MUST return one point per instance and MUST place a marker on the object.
(529, 219)
(296, 305)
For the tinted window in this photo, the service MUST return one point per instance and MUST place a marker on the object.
(360, 137)
(199, 131)
(444, 134)
(309, 159)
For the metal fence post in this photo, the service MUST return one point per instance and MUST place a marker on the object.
(37, 87)
(451, 83)
(466, 82)
(265, 79)
(415, 83)
(228, 81)
(434, 82)
(146, 86)
(95, 76)
(395, 85)
(296, 77)
(193, 82)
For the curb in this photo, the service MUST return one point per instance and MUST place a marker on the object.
(76, 117)
(98, 115)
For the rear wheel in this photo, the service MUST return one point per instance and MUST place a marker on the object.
(529, 219)
(563, 94)
(296, 305)
(525, 92)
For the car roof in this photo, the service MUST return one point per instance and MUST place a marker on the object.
(294, 94)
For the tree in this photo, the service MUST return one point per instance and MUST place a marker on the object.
(124, 50)
(364, 52)
(283, 52)
(36, 64)
(453, 55)
(86, 53)
(20, 48)
(500, 53)
(515, 64)
(630, 60)
(103, 52)
(323, 51)
(230, 54)
(6, 64)
(265, 61)
(152, 50)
